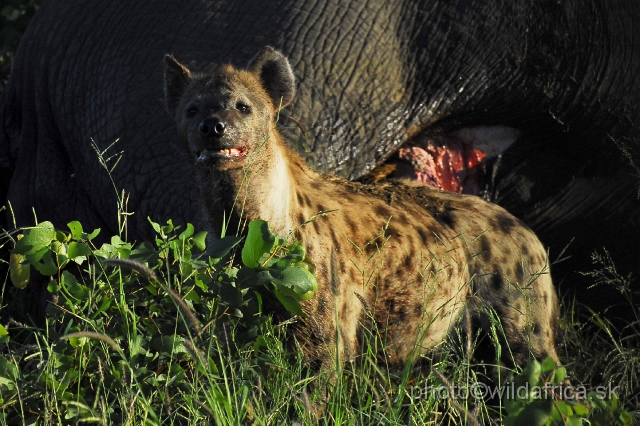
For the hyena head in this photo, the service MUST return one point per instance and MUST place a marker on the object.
(226, 119)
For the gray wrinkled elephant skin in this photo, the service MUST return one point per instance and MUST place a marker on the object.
(372, 76)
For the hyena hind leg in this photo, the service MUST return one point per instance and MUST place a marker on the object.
(516, 324)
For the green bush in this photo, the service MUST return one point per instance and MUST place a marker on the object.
(546, 399)
(143, 322)
(173, 332)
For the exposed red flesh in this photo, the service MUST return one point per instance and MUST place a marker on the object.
(444, 162)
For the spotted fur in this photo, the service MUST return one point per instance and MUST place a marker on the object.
(401, 259)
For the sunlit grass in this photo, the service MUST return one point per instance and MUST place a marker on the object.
(117, 349)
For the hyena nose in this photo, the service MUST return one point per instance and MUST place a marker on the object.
(212, 126)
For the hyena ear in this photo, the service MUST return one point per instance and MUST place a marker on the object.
(276, 75)
(176, 78)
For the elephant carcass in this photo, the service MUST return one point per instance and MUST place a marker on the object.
(372, 76)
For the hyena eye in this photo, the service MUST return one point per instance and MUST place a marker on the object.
(243, 108)
(191, 112)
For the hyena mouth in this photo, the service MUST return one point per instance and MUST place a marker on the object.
(206, 154)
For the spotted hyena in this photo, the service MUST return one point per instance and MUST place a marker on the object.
(400, 258)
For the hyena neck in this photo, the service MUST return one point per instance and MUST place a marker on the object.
(264, 190)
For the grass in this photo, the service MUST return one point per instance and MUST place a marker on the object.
(168, 333)
(121, 347)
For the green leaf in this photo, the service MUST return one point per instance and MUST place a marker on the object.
(107, 251)
(259, 243)
(532, 372)
(536, 413)
(19, 271)
(597, 400)
(35, 257)
(301, 281)
(564, 408)
(4, 334)
(106, 302)
(69, 282)
(613, 402)
(580, 409)
(9, 384)
(290, 303)
(168, 228)
(52, 287)
(192, 296)
(200, 240)
(600, 419)
(559, 375)
(296, 252)
(223, 246)
(213, 368)
(122, 248)
(143, 252)
(573, 421)
(46, 266)
(281, 264)
(61, 237)
(78, 233)
(307, 264)
(626, 418)
(35, 239)
(60, 251)
(78, 252)
(155, 226)
(8, 369)
(76, 229)
(187, 232)
(513, 406)
(548, 365)
(260, 342)
(230, 295)
(252, 278)
(169, 344)
(186, 269)
(92, 235)
(555, 415)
